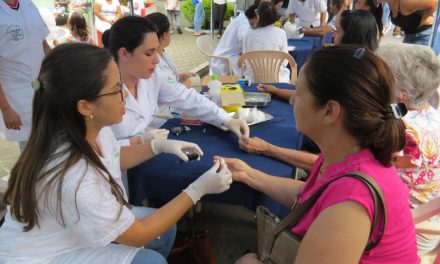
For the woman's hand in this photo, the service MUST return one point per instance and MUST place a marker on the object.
(12, 119)
(253, 145)
(267, 88)
(240, 170)
(183, 76)
(250, 258)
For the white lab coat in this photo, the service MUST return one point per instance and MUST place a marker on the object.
(158, 90)
(85, 238)
(22, 33)
(230, 45)
(309, 12)
(267, 38)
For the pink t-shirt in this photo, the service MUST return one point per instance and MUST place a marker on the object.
(398, 244)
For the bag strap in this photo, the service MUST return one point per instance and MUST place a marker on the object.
(295, 215)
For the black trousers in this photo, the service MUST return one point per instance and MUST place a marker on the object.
(219, 16)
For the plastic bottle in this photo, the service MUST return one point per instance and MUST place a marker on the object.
(215, 86)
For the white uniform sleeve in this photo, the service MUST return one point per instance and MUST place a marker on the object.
(42, 26)
(241, 31)
(321, 5)
(91, 210)
(291, 7)
(189, 101)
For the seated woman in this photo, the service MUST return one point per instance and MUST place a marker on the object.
(66, 202)
(231, 43)
(352, 27)
(134, 44)
(417, 72)
(266, 36)
(357, 27)
(344, 101)
(167, 67)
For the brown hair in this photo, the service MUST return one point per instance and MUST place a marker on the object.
(364, 86)
(78, 26)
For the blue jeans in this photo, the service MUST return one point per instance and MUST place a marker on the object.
(161, 245)
(199, 16)
(421, 38)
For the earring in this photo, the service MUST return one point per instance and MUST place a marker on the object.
(90, 117)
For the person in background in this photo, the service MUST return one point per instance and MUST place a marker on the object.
(19, 65)
(231, 44)
(134, 43)
(167, 67)
(219, 12)
(415, 18)
(417, 72)
(138, 5)
(344, 102)
(330, 27)
(79, 31)
(173, 12)
(376, 9)
(266, 36)
(311, 13)
(199, 16)
(66, 202)
(107, 12)
(357, 27)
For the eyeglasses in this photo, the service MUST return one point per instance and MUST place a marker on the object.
(121, 91)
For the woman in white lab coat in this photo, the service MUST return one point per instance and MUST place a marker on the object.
(166, 66)
(22, 48)
(66, 203)
(266, 36)
(134, 44)
(231, 42)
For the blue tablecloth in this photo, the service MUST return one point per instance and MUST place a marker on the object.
(305, 46)
(163, 177)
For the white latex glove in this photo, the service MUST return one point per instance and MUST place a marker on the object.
(238, 127)
(175, 147)
(153, 133)
(210, 182)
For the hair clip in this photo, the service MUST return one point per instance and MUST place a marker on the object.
(399, 110)
(359, 53)
(36, 84)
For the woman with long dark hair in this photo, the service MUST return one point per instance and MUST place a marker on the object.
(66, 202)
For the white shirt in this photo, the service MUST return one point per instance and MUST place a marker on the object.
(158, 90)
(267, 38)
(309, 12)
(140, 3)
(230, 45)
(90, 214)
(220, 2)
(108, 11)
(171, 3)
(22, 33)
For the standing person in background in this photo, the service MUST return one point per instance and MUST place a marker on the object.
(107, 12)
(173, 12)
(311, 13)
(199, 16)
(231, 44)
(219, 12)
(415, 18)
(22, 48)
(330, 27)
(375, 8)
(138, 5)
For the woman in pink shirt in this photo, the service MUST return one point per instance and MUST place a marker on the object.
(345, 103)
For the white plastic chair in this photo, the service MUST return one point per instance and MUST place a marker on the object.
(207, 46)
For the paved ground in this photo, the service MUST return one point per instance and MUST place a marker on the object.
(232, 228)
